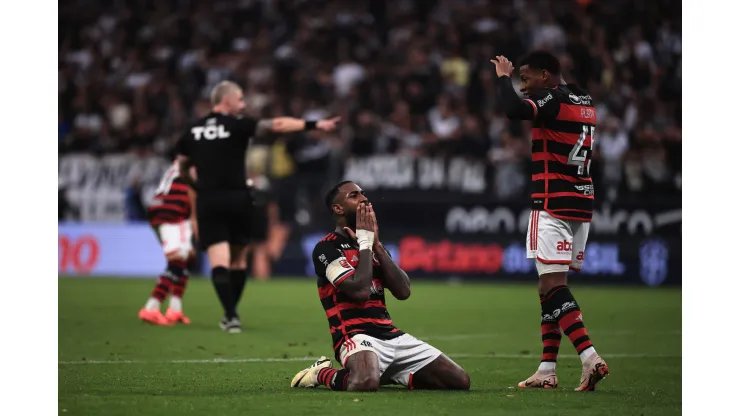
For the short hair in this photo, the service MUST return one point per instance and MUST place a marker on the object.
(331, 195)
(542, 60)
(222, 89)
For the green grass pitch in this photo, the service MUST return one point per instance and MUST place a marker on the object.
(112, 364)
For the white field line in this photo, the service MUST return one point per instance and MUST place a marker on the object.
(308, 359)
(488, 335)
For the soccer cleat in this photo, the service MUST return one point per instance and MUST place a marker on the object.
(594, 370)
(308, 377)
(153, 316)
(175, 317)
(232, 326)
(540, 380)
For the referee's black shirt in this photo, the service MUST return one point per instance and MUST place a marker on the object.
(216, 145)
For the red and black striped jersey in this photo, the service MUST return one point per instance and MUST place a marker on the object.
(171, 202)
(562, 139)
(335, 258)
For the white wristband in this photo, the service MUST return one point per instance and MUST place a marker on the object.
(365, 239)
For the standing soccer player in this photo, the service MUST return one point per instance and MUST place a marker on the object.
(172, 218)
(216, 146)
(564, 119)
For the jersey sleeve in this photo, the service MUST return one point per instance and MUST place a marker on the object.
(182, 147)
(329, 262)
(545, 105)
(248, 126)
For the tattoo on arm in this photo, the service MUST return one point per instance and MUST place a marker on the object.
(264, 126)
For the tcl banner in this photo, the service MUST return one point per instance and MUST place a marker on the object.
(109, 250)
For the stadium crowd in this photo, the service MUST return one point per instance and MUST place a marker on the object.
(407, 76)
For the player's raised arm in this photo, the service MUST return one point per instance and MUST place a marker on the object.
(394, 277)
(357, 286)
(290, 125)
(514, 107)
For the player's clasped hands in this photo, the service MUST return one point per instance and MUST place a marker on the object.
(503, 66)
(365, 220)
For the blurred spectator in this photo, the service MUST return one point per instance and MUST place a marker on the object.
(408, 76)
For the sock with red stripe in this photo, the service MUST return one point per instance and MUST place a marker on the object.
(566, 311)
(160, 292)
(334, 379)
(551, 337)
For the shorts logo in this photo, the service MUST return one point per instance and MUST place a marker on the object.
(349, 345)
(579, 257)
(366, 343)
(564, 246)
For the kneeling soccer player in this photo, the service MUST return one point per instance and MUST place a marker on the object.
(353, 268)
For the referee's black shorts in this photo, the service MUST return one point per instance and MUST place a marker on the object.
(258, 223)
(224, 216)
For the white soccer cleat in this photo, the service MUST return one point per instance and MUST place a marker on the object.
(540, 380)
(308, 377)
(594, 370)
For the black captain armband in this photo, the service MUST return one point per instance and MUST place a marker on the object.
(310, 125)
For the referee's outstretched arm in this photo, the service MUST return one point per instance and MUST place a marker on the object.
(290, 124)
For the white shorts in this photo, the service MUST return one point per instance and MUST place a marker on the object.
(553, 241)
(176, 238)
(399, 358)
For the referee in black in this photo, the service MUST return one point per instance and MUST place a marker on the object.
(216, 145)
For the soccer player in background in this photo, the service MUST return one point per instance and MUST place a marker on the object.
(173, 219)
(562, 192)
(353, 270)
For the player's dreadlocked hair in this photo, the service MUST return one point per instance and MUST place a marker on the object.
(332, 194)
(542, 60)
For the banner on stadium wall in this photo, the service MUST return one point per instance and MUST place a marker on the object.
(513, 217)
(649, 260)
(437, 176)
(132, 250)
(97, 185)
(109, 250)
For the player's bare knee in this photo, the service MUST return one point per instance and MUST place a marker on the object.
(363, 382)
(462, 382)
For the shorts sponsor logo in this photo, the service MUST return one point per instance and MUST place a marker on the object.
(564, 247)
(366, 343)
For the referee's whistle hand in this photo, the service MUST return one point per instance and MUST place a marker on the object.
(329, 124)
